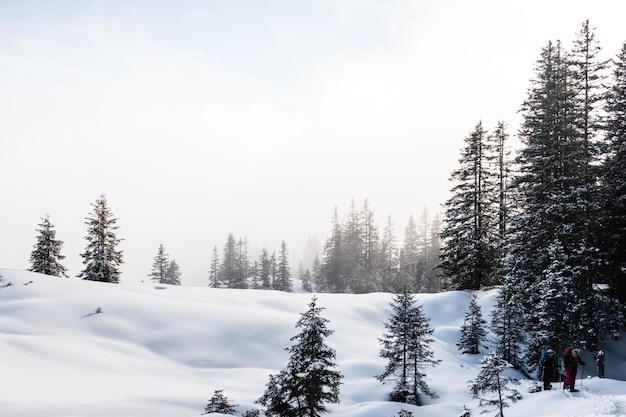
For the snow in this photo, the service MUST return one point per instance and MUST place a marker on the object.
(158, 350)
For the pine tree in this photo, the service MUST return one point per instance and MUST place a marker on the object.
(352, 252)
(101, 258)
(332, 276)
(234, 264)
(507, 324)
(370, 256)
(473, 332)
(219, 403)
(159, 265)
(406, 346)
(409, 255)
(614, 180)
(490, 380)
(214, 271)
(172, 274)
(47, 253)
(308, 382)
(389, 255)
(283, 280)
(550, 194)
(265, 270)
(468, 258)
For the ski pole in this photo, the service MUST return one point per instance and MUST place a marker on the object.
(582, 374)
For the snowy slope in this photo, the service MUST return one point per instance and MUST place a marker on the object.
(157, 350)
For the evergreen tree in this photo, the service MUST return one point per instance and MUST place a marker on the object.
(406, 346)
(172, 274)
(309, 381)
(614, 180)
(307, 279)
(468, 258)
(283, 280)
(214, 270)
(332, 277)
(551, 169)
(47, 253)
(234, 264)
(507, 324)
(490, 380)
(370, 256)
(159, 266)
(265, 270)
(409, 255)
(101, 258)
(389, 258)
(352, 252)
(219, 403)
(473, 329)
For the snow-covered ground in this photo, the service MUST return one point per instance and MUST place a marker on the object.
(157, 350)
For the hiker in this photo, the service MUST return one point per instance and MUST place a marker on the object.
(600, 361)
(571, 359)
(548, 364)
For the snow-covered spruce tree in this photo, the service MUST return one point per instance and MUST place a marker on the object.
(469, 241)
(47, 253)
(159, 265)
(101, 257)
(548, 190)
(507, 324)
(490, 380)
(614, 181)
(219, 403)
(308, 382)
(406, 346)
(173, 274)
(473, 329)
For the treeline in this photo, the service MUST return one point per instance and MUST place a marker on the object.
(549, 224)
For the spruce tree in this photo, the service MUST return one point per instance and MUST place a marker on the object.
(332, 276)
(159, 266)
(490, 380)
(283, 280)
(308, 383)
(469, 252)
(172, 274)
(214, 270)
(614, 180)
(47, 253)
(219, 403)
(473, 331)
(409, 256)
(101, 258)
(550, 194)
(406, 346)
(389, 258)
(370, 254)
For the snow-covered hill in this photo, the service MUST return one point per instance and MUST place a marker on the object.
(77, 348)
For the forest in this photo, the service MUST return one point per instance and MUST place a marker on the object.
(546, 223)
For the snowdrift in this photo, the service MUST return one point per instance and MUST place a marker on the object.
(89, 349)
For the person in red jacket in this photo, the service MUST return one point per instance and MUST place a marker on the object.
(571, 360)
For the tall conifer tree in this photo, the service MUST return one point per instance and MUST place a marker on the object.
(47, 253)
(101, 258)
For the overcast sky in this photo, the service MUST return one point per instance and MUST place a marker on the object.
(202, 118)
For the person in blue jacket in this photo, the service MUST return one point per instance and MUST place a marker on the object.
(548, 365)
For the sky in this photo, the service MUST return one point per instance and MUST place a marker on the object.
(198, 119)
(157, 350)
